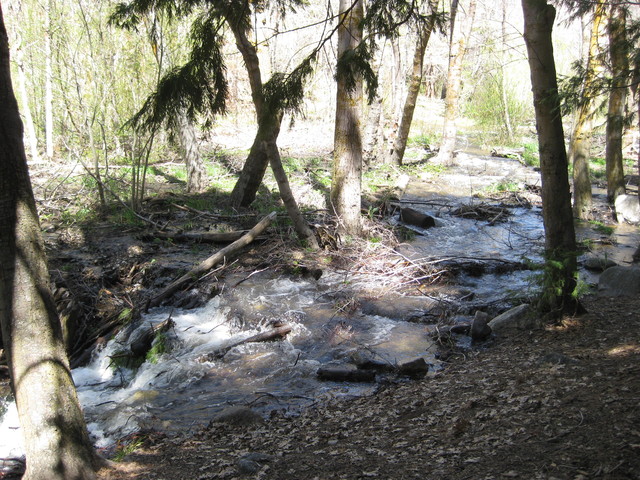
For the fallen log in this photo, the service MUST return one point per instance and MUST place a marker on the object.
(338, 374)
(204, 237)
(211, 262)
(277, 333)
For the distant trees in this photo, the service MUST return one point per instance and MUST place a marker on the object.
(462, 17)
(55, 436)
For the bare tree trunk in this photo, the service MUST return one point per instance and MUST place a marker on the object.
(460, 32)
(560, 243)
(191, 151)
(346, 185)
(48, 79)
(373, 136)
(18, 54)
(580, 148)
(55, 437)
(299, 223)
(503, 77)
(618, 50)
(245, 190)
(264, 150)
(396, 153)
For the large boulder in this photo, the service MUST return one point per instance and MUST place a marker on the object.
(518, 318)
(628, 208)
(619, 282)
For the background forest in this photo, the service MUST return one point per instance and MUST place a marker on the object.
(80, 79)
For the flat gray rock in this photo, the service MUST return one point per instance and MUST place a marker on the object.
(619, 282)
(518, 318)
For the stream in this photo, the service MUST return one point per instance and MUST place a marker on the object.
(188, 386)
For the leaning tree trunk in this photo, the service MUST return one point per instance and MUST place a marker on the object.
(346, 183)
(460, 33)
(560, 242)
(55, 436)
(396, 153)
(580, 148)
(264, 150)
(618, 50)
(245, 190)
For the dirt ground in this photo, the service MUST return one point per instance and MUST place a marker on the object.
(557, 403)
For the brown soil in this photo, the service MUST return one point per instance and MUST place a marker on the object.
(558, 403)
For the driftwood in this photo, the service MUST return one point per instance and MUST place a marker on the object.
(141, 343)
(212, 261)
(337, 374)
(204, 237)
(277, 333)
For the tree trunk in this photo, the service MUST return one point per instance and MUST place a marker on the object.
(560, 244)
(245, 190)
(618, 50)
(300, 225)
(508, 127)
(580, 147)
(400, 144)
(346, 184)
(191, 152)
(48, 79)
(55, 436)
(460, 33)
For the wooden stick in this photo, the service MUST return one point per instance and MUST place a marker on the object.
(212, 261)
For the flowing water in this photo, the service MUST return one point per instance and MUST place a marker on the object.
(189, 384)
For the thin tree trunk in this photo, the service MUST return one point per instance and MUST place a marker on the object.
(55, 437)
(48, 79)
(560, 243)
(346, 185)
(26, 110)
(460, 33)
(618, 50)
(300, 225)
(188, 139)
(503, 77)
(397, 151)
(580, 147)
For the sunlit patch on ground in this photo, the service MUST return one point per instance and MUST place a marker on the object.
(624, 350)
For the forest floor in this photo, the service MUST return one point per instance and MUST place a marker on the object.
(559, 402)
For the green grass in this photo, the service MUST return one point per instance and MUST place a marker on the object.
(503, 186)
(602, 228)
(531, 156)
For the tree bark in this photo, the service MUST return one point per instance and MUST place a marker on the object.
(560, 244)
(400, 144)
(460, 33)
(55, 437)
(618, 51)
(245, 190)
(346, 184)
(580, 148)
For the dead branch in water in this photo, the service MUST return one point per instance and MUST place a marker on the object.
(212, 261)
